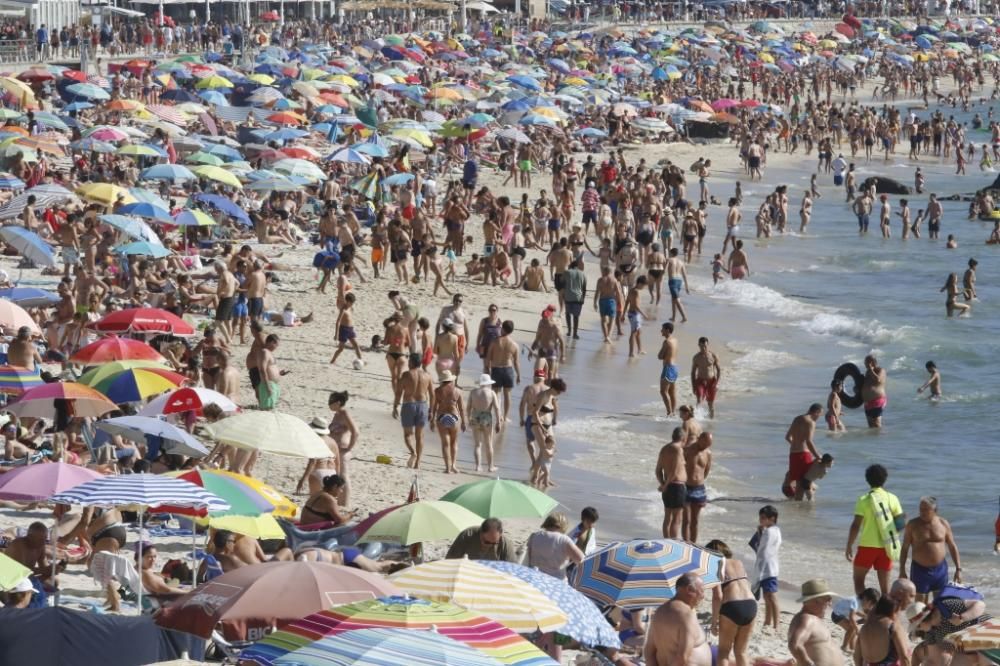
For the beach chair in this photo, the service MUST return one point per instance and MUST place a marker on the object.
(103, 454)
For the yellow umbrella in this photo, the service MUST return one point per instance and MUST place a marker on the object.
(106, 194)
(283, 507)
(344, 79)
(18, 88)
(547, 111)
(575, 81)
(218, 174)
(766, 57)
(445, 93)
(263, 526)
(40, 144)
(214, 81)
(420, 136)
(262, 79)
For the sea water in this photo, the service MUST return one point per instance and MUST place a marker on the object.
(814, 301)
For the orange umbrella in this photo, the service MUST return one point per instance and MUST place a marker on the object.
(286, 118)
(15, 129)
(81, 401)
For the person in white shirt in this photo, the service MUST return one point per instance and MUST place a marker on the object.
(764, 576)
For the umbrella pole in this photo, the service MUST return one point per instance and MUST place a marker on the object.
(139, 591)
(55, 562)
(194, 554)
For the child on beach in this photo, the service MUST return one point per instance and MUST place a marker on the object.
(848, 610)
(717, 269)
(584, 534)
(817, 470)
(834, 408)
(766, 542)
(933, 383)
(543, 476)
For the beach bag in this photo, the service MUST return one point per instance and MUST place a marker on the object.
(955, 591)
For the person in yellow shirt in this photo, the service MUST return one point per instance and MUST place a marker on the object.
(877, 527)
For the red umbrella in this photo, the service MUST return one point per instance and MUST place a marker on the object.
(36, 74)
(75, 75)
(113, 348)
(270, 16)
(250, 600)
(143, 320)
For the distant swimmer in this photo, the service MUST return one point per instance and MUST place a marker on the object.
(835, 408)
(873, 391)
(933, 383)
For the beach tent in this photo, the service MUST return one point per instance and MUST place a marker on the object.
(65, 637)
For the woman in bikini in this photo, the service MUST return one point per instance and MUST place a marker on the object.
(398, 343)
(542, 414)
(344, 432)
(733, 608)
(322, 507)
(951, 303)
(656, 264)
(447, 413)
(881, 641)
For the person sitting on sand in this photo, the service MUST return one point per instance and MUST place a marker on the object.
(347, 556)
(322, 507)
(153, 582)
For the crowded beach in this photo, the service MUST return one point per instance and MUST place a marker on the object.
(283, 303)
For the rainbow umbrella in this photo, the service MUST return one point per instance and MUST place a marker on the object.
(387, 646)
(40, 402)
(243, 500)
(283, 507)
(15, 380)
(642, 573)
(476, 631)
(137, 384)
(113, 348)
(95, 376)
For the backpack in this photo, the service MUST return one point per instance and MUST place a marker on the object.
(955, 591)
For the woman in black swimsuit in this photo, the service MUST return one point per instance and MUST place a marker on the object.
(322, 507)
(733, 607)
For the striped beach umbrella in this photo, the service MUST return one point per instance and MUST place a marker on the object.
(511, 602)
(642, 573)
(387, 647)
(15, 380)
(476, 631)
(586, 624)
(984, 636)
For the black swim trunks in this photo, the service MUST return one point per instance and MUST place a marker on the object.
(224, 312)
(674, 496)
(504, 377)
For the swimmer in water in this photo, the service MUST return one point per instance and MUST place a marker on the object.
(933, 383)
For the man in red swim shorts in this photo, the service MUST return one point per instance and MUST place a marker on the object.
(705, 374)
(802, 452)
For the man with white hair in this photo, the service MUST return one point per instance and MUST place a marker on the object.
(674, 635)
(928, 535)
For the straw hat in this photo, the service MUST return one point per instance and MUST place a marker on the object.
(485, 380)
(446, 377)
(320, 425)
(814, 589)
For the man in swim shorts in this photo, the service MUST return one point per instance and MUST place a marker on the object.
(668, 372)
(414, 390)
(607, 296)
(873, 391)
(676, 280)
(802, 451)
(929, 536)
(671, 472)
(866, 529)
(705, 374)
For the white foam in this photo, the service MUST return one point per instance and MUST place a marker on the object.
(746, 370)
(834, 324)
(752, 295)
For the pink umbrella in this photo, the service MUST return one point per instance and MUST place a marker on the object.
(723, 104)
(40, 482)
(108, 134)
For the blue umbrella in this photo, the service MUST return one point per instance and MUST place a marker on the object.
(93, 145)
(214, 97)
(384, 646)
(225, 205)
(559, 65)
(138, 428)
(525, 82)
(144, 248)
(88, 90)
(372, 149)
(29, 244)
(348, 155)
(131, 227)
(143, 209)
(585, 622)
(284, 134)
(78, 106)
(591, 132)
(171, 172)
(536, 119)
(223, 151)
(179, 95)
(642, 573)
(29, 297)
(397, 179)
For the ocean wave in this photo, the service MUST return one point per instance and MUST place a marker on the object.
(752, 295)
(835, 324)
(746, 370)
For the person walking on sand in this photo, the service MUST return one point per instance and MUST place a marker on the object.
(485, 420)
(268, 391)
(766, 543)
(929, 535)
(671, 477)
(698, 463)
(873, 391)
(878, 520)
(677, 279)
(346, 335)
(705, 375)
(446, 415)
(607, 296)
(675, 635)
(669, 372)
(809, 638)
(415, 391)
(633, 310)
(503, 365)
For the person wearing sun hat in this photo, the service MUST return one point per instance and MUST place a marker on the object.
(485, 419)
(20, 595)
(317, 468)
(447, 412)
(809, 638)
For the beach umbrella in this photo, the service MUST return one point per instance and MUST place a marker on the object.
(9, 181)
(187, 399)
(15, 380)
(498, 498)
(90, 144)
(143, 320)
(172, 172)
(40, 402)
(267, 594)
(190, 217)
(143, 248)
(219, 175)
(269, 432)
(114, 348)
(29, 297)
(29, 245)
(387, 646)
(283, 507)
(243, 499)
(172, 439)
(106, 194)
(45, 196)
(137, 384)
(131, 227)
(421, 521)
(227, 206)
(468, 583)
(35, 483)
(12, 572)
(279, 184)
(95, 375)
(214, 81)
(88, 90)
(263, 526)
(301, 168)
(223, 151)
(13, 317)
(585, 622)
(349, 156)
(476, 631)
(142, 491)
(106, 133)
(643, 573)
(397, 179)
(514, 134)
(202, 157)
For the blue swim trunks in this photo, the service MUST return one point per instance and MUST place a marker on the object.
(929, 579)
(608, 307)
(769, 585)
(670, 373)
(675, 285)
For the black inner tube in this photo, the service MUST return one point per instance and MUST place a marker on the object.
(843, 372)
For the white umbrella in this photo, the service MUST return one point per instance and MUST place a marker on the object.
(269, 432)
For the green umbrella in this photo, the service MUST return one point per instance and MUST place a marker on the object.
(104, 371)
(498, 498)
(421, 521)
(12, 572)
